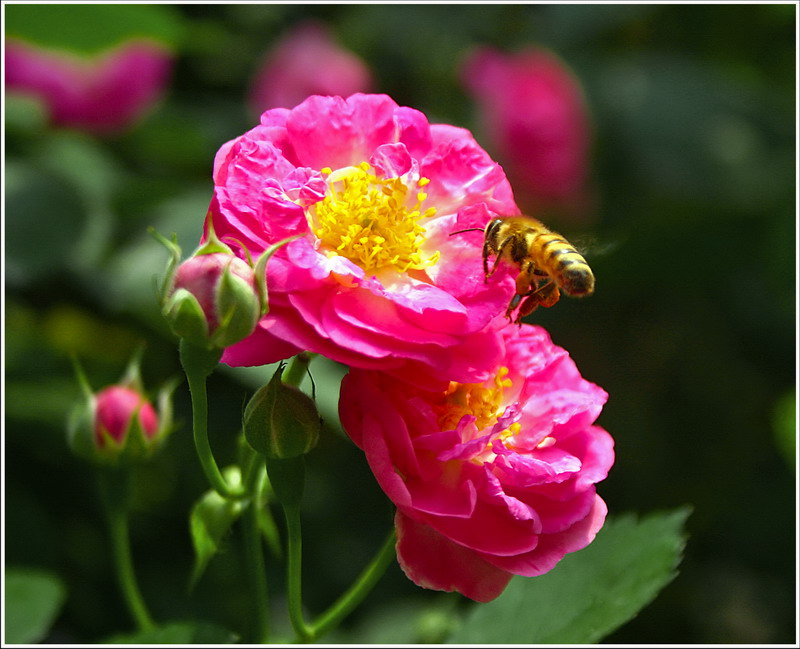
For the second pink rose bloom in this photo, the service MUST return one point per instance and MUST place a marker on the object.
(532, 109)
(307, 61)
(490, 479)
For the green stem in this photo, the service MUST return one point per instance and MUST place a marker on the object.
(358, 591)
(347, 602)
(198, 363)
(294, 579)
(297, 369)
(113, 490)
(254, 554)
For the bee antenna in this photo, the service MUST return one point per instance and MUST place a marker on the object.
(467, 230)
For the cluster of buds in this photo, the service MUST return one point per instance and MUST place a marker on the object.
(119, 424)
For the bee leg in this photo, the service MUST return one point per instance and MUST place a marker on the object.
(546, 295)
(527, 279)
(526, 307)
(512, 304)
(498, 256)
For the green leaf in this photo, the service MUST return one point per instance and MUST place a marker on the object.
(88, 29)
(24, 114)
(413, 621)
(33, 598)
(784, 424)
(182, 633)
(590, 593)
(210, 520)
(40, 209)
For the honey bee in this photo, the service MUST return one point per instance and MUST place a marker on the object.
(548, 264)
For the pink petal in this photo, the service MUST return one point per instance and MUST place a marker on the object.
(489, 529)
(336, 132)
(553, 547)
(432, 561)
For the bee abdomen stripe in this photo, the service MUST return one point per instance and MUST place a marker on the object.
(574, 260)
(560, 252)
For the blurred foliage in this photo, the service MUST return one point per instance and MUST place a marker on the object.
(692, 330)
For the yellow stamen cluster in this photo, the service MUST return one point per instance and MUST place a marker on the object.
(478, 399)
(367, 219)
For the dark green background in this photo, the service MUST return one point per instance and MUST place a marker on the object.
(692, 329)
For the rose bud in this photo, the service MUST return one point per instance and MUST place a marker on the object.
(281, 421)
(214, 300)
(117, 422)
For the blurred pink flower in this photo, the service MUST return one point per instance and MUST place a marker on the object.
(533, 112)
(490, 479)
(99, 94)
(306, 62)
(116, 408)
(376, 281)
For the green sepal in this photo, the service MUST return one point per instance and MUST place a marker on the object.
(172, 264)
(213, 244)
(280, 421)
(287, 477)
(80, 430)
(186, 318)
(166, 424)
(261, 270)
(132, 377)
(210, 520)
(237, 307)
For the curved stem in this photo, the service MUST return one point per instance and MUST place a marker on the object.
(294, 578)
(358, 591)
(113, 488)
(198, 363)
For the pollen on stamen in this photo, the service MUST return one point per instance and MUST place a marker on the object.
(484, 402)
(368, 219)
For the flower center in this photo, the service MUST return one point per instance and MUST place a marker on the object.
(372, 221)
(483, 401)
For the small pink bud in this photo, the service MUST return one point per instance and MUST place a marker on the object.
(116, 408)
(118, 424)
(214, 300)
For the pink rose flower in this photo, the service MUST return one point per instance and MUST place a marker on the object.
(490, 479)
(307, 61)
(532, 109)
(116, 407)
(376, 281)
(99, 94)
